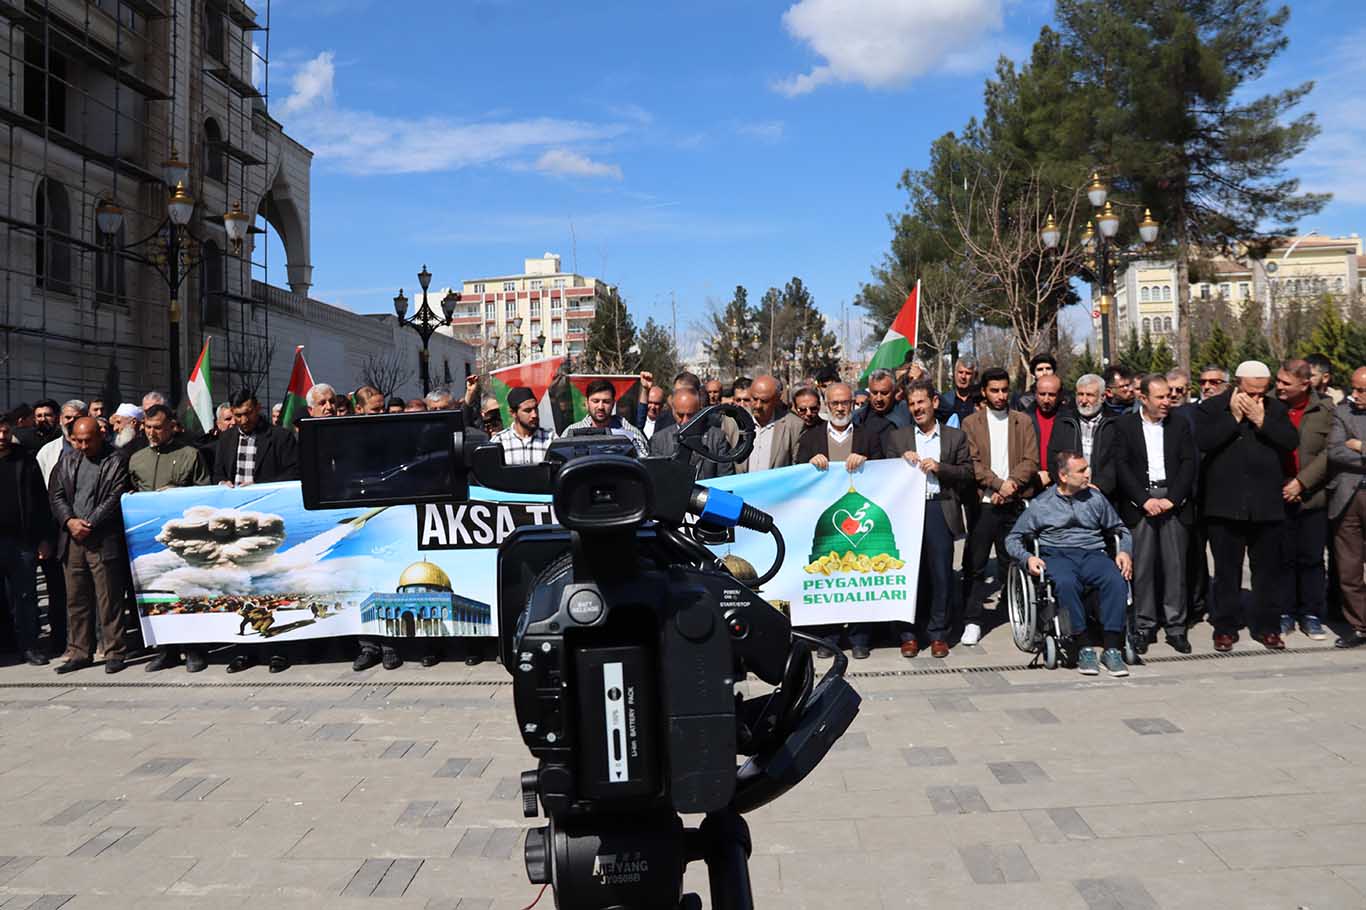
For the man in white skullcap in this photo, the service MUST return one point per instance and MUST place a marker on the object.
(1244, 435)
(126, 424)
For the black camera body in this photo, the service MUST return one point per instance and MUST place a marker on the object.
(626, 639)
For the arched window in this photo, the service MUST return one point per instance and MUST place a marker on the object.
(1166, 292)
(1166, 324)
(1143, 295)
(213, 32)
(1337, 285)
(52, 249)
(214, 167)
(212, 284)
(111, 281)
(1147, 325)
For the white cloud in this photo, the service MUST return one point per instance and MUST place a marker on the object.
(565, 163)
(763, 130)
(1333, 163)
(364, 142)
(885, 43)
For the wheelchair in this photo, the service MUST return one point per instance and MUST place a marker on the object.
(1038, 623)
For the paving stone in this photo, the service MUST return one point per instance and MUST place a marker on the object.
(989, 679)
(336, 732)
(928, 757)
(1151, 726)
(1033, 715)
(86, 810)
(994, 865)
(452, 767)
(11, 866)
(397, 878)
(1116, 893)
(956, 800)
(161, 767)
(851, 742)
(367, 878)
(508, 788)
(952, 704)
(1017, 772)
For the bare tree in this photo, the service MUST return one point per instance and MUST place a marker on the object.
(1024, 284)
(386, 371)
(250, 359)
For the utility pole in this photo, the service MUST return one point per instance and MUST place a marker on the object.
(673, 309)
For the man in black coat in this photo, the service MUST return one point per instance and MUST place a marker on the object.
(253, 451)
(1243, 435)
(835, 439)
(1155, 471)
(84, 491)
(250, 452)
(941, 452)
(26, 534)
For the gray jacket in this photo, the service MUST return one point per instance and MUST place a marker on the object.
(1347, 468)
(665, 444)
(1077, 522)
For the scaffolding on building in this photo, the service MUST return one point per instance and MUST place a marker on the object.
(97, 93)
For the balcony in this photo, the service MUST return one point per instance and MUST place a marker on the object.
(465, 320)
(572, 337)
(579, 314)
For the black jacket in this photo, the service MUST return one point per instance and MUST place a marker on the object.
(867, 441)
(277, 454)
(955, 475)
(1243, 472)
(1067, 438)
(1131, 467)
(951, 403)
(106, 521)
(32, 521)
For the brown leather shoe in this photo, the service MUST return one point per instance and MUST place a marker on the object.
(1272, 641)
(1223, 642)
(939, 649)
(910, 648)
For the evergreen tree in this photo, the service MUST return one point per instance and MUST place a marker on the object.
(1131, 356)
(1082, 365)
(1163, 360)
(1218, 350)
(1330, 337)
(733, 344)
(658, 353)
(611, 335)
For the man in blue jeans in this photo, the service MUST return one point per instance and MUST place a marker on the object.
(1069, 521)
(25, 537)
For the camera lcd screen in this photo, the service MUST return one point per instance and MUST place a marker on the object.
(382, 459)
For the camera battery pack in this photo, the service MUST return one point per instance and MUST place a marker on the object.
(617, 708)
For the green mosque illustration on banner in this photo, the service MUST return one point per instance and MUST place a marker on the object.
(853, 535)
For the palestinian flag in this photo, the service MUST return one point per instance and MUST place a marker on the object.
(539, 376)
(200, 389)
(300, 381)
(628, 393)
(899, 340)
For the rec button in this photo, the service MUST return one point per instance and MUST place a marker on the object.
(585, 607)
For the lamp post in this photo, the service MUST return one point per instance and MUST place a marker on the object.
(172, 250)
(425, 321)
(1104, 255)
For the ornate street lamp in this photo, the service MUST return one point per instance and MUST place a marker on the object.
(1105, 254)
(425, 321)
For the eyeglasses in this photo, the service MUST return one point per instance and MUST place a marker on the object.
(812, 410)
(1204, 381)
(835, 403)
(1176, 390)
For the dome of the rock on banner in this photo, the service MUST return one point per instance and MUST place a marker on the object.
(424, 576)
(741, 568)
(854, 523)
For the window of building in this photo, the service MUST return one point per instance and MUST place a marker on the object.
(535, 309)
(215, 167)
(556, 329)
(1147, 325)
(490, 311)
(1242, 290)
(536, 284)
(214, 33)
(557, 348)
(1337, 285)
(559, 282)
(111, 280)
(212, 284)
(556, 304)
(1166, 292)
(52, 248)
(1144, 295)
(1225, 290)
(510, 309)
(1166, 323)
(45, 99)
(1204, 292)
(478, 289)
(509, 287)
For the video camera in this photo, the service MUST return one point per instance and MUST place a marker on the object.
(626, 639)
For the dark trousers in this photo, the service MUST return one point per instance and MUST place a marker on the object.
(990, 529)
(1160, 547)
(1303, 540)
(936, 592)
(18, 563)
(1197, 572)
(1349, 544)
(55, 577)
(1260, 541)
(94, 601)
(1074, 572)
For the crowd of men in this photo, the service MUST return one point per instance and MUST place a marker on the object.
(1119, 487)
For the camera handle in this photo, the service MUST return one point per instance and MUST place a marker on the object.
(724, 844)
(692, 436)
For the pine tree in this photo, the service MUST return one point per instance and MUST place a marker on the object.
(1330, 337)
(611, 335)
(658, 354)
(1163, 360)
(1081, 366)
(1218, 350)
(734, 342)
(1131, 356)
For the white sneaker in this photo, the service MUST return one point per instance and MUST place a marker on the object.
(972, 634)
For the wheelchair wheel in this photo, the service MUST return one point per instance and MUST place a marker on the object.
(1022, 609)
(1050, 652)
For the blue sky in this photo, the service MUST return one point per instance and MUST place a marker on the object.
(692, 147)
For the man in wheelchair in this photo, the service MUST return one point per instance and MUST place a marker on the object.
(1069, 522)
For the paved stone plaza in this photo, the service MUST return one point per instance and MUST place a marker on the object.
(1235, 781)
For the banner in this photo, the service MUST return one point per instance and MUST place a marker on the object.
(250, 564)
